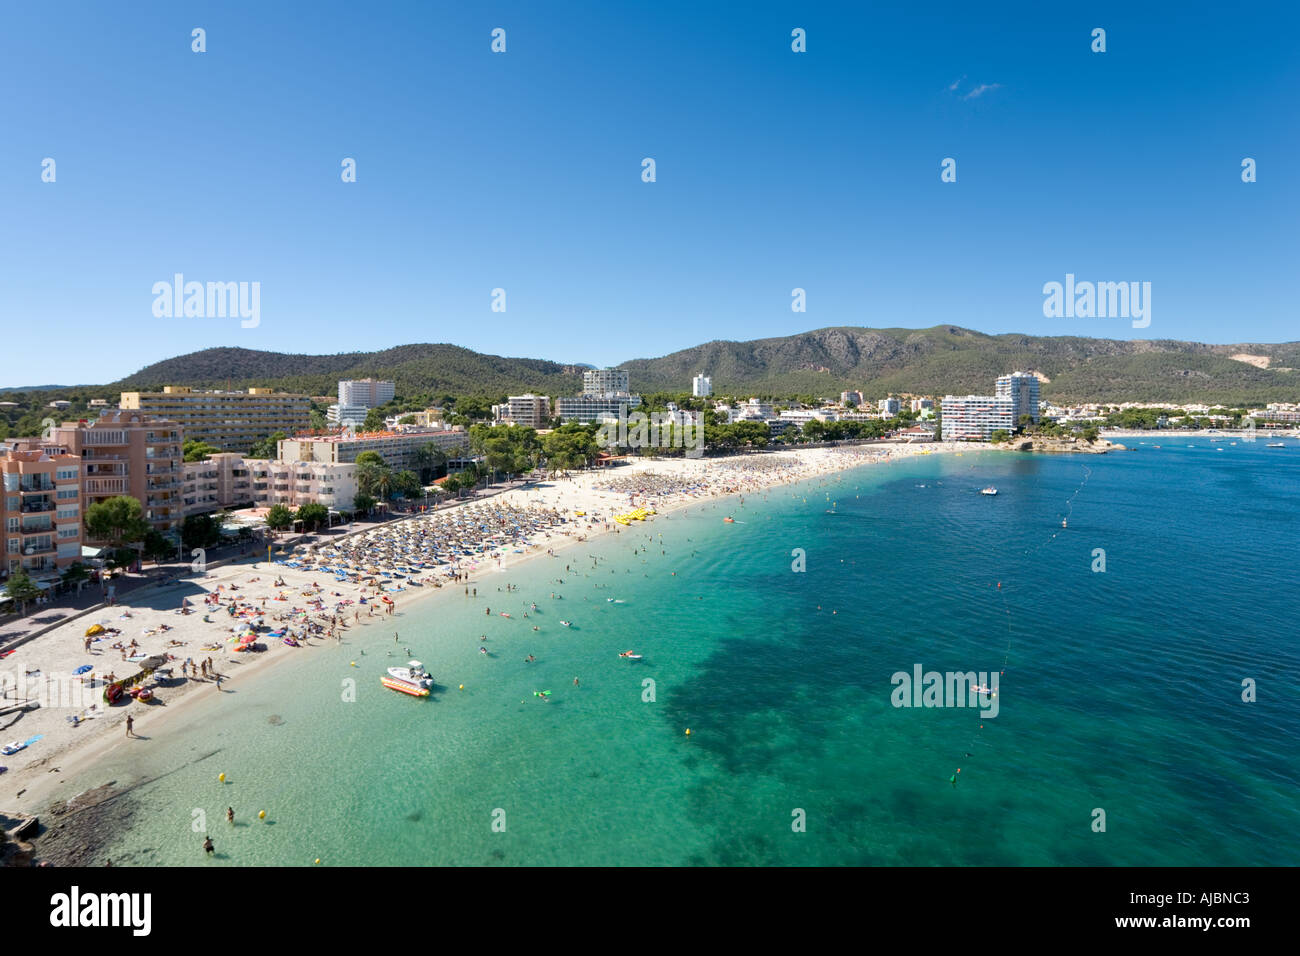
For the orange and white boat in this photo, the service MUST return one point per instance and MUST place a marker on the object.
(412, 679)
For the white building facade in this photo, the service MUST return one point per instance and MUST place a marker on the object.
(975, 417)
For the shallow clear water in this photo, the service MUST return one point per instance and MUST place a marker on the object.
(1122, 690)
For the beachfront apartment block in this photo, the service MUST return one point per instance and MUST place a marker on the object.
(40, 510)
(802, 416)
(1022, 389)
(701, 386)
(975, 416)
(1278, 412)
(365, 392)
(851, 396)
(888, 406)
(296, 483)
(233, 481)
(531, 411)
(594, 408)
(229, 421)
(753, 411)
(399, 449)
(604, 396)
(126, 452)
(216, 482)
(922, 404)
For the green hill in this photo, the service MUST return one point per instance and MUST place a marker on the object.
(953, 360)
(412, 368)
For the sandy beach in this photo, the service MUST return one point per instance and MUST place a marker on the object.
(296, 601)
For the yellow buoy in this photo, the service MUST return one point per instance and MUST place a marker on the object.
(221, 777)
(688, 731)
(261, 814)
(354, 663)
(318, 861)
(462, 686)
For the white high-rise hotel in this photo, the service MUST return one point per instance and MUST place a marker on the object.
(979, 416)
(366, 392)
(356, 398)
(1022, 389)
(701, 386)
(604, 395)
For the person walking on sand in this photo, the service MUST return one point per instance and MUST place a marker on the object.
(230, 814)
(218, 676)
(130, 726)
(207, 845)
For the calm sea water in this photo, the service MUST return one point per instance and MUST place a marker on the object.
(1122, 689)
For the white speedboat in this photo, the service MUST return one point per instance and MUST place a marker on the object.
(412, 679)
(990, 490)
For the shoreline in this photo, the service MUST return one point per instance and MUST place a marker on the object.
(34, 787)
(1236, 434)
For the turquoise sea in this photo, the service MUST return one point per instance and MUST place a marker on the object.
(1122, 689)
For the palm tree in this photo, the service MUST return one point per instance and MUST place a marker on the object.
(428, 459)
(383, 484)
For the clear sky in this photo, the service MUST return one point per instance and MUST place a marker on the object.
(522, 171)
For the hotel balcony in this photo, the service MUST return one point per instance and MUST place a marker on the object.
(29, 507)
(43, 527)
(35, 487)
(106, 486)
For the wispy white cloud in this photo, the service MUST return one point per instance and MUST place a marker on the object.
(981, 90)
(956, 83)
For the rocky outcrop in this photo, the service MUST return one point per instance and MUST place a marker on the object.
(1060, 445)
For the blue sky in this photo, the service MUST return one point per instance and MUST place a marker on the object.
(522, 171)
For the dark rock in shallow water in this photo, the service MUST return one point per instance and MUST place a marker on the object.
(275, 720)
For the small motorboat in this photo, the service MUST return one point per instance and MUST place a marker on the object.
(1275, 444)
(630, 656)
(729, 520)
(412, 679)
(567, 623)
(990, 491)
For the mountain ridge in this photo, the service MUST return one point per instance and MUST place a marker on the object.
(943, 359)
